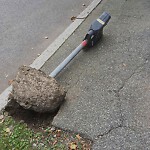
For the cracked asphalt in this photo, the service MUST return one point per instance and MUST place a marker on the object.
(108, 86)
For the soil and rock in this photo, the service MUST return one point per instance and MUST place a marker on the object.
(33, 89)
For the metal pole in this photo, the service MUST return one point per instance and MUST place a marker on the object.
(68, 59)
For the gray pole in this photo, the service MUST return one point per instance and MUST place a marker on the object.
(68, 59)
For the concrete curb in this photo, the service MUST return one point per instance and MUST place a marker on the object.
(40, 61)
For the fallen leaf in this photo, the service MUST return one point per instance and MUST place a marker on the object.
(73, 146)
(78, 137)
(53, 129)
(124, 65)
(10, 82)
(5, 113)
(54, 143)
(11, 128)
(73, 18)
(54, 135)
(58, 133)
(83, 142)
(41, 144)
(34, 145)
(7, 130)
(2, 121)
(1, 117)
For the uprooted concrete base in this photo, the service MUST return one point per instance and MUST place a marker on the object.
(33, 89)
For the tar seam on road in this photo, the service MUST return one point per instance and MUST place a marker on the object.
(40, 61)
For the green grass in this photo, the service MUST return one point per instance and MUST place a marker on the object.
(16, 135)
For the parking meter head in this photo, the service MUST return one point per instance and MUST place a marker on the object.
(96, 29)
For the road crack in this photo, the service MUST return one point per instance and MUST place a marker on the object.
(117, 93)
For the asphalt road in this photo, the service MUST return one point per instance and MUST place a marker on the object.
(24, 24)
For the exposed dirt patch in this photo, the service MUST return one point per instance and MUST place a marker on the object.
(33, 119)
(43, 133)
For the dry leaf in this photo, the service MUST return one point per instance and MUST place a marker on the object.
(1, 117)
(7, 130)
(73, 146)
(124, 65)
(10, 82)
(54, 143)
(78, 137)
(2, 121)
(5, 113)
(54, 135)
(58, 133)
(53, 129)
(73, 18)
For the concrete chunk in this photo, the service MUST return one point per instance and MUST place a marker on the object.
(33, 89)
